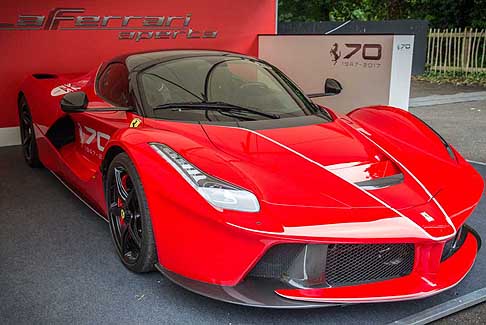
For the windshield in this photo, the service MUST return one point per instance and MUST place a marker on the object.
(258, 90)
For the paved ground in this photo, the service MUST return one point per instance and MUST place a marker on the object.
(461, 124)
(423, 88)
(473, 315)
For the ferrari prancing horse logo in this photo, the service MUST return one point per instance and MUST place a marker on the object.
(427, 216)
(135, 122)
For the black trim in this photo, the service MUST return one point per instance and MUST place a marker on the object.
(250, 292)
(475, 234)
(284, 122)
(317, 95)
(44, 76)
(268, 124)
(190, 53)
(454, 245)
(135, 91)
(110, 109)
(377, 183)
(261, 124)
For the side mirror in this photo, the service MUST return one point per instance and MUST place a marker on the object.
(332, 87)
(75, 102)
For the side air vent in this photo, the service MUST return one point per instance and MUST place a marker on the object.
(453, 245)
(61, 132)
(377, 183)
(44, 76)
(276, 262)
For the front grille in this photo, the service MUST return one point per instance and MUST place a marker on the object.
(346, 264)
(349, 264)
(275, 263)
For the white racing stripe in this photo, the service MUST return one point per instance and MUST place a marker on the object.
(356, 186)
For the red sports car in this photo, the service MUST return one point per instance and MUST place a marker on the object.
(214, 168)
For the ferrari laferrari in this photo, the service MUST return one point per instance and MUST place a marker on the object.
(215, 169)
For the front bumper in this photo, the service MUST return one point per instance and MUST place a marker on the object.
(429, 277)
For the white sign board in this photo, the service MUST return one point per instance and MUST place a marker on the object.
(373, 69)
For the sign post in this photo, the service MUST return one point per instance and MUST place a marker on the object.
(373, 69)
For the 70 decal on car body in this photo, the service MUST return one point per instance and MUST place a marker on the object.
(88, 135)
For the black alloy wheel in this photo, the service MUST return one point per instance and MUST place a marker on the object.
(128, 215)
(27, 135)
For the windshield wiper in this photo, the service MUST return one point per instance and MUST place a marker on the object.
(215, 106)
(173, 83)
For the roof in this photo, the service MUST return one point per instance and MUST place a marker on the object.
(139, 61)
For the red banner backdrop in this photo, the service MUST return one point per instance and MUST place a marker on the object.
(62, 37)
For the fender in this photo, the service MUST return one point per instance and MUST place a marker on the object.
(400, 125)
(44, 92)
(422, 151)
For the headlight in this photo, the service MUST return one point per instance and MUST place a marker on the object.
(218, 193)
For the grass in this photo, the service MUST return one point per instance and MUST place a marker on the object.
(458, 78)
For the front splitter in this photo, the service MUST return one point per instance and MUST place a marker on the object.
(251, 292)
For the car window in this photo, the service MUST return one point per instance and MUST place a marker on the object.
(246, 83)
(113, 84)
(160, 91)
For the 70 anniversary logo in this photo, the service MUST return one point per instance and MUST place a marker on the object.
(135, 28)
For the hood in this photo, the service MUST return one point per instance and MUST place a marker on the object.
(316, 170)
(328, 164)
(323, 166)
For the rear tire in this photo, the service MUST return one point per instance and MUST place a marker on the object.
(27, 135)
(129, 217)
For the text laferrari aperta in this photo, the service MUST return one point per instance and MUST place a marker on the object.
(215, 169)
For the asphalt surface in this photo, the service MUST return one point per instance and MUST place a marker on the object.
(423, 89)
(462, 124)
(473, 315)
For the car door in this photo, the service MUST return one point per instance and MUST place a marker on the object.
(95, 127)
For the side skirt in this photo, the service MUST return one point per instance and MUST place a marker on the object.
(78, 196)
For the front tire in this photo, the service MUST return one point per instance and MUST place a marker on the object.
(27, 135)
(129, 217)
